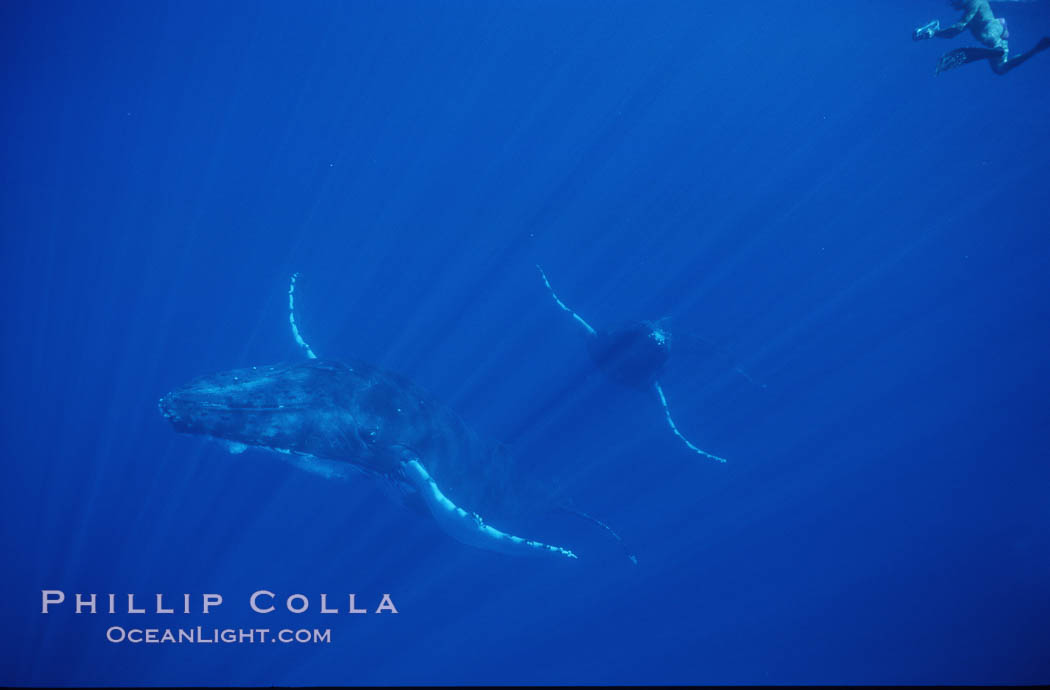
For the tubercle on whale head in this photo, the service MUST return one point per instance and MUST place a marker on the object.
(211, 404)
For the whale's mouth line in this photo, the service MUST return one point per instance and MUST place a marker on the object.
(251, 408)
(348, 466)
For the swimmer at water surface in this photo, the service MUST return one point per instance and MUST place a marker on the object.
(990, 30)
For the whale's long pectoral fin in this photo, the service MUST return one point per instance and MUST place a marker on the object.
(291, 319)
(674, 427)
(579, 319)
(467, 527)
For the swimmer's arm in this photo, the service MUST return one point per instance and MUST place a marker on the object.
(959, 26)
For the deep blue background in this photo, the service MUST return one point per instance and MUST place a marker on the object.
(788, 180)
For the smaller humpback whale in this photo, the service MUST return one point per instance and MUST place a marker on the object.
(633, 355)
(343, 418)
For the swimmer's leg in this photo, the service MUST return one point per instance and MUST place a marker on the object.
(1005, 66)
(291, 319)
(670, 422)
(561, 304)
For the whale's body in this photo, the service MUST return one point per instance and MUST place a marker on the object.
(342, 418)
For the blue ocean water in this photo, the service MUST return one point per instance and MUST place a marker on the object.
(791, 183)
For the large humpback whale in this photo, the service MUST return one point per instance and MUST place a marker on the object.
(345, 418)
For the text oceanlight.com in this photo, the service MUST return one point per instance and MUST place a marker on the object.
(202, 635)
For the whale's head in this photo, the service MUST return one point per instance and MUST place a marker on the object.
(316, 408)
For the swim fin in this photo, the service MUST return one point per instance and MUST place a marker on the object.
(924, 32)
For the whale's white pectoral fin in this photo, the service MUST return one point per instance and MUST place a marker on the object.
(468, 527)
(579, 319)
(291, 319)
(674, 428)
